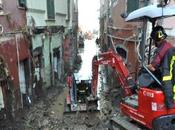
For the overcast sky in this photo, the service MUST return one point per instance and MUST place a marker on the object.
(89, 14)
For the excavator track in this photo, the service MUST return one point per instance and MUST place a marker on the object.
(81, 112)
(82, 120)
(120, 122)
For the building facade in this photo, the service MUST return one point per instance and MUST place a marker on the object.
(70, 41)
(47, 22)
(33, 36)
(117, 34)
(15, 84)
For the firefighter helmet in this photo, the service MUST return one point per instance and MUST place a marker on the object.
(158, 33)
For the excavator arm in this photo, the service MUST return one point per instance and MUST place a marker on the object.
(116, 62)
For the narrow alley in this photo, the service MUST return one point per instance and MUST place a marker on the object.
(48, 113)
(87, 65)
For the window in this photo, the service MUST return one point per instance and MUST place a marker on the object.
(1, 5)
(50, 9)
(1, 13)
(143, 3)
(22, 3)
(68, 10)
(132, 5)
(122, 51)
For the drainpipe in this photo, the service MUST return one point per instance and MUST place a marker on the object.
(50, 58)
(18, 63)
(62, 57)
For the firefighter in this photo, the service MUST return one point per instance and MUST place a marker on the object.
(159, 35)
(168, 80)
(160, 63)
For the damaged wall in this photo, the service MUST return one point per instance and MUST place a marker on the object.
(39, 9)
(14, 50)
(123, 34)
(48, 44)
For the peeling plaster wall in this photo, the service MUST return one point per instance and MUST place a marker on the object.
(38, 10)
(14, 17)
(55, 42)
(122, 32)
(14, 23)
(8, 51)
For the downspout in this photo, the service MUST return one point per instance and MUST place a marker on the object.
(50, 58)
(62, 58)
(18, 63)
(30, 78)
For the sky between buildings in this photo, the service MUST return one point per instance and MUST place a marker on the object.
(89, 14)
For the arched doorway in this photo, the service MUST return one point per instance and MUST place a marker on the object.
(122, 51)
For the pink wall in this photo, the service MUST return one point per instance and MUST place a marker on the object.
(15, 18)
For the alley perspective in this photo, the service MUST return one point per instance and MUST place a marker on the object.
(87, 65)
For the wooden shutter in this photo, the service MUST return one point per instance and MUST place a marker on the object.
(50, 9)
(132, 5)
(22, 3)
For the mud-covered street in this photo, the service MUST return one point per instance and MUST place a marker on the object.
(49, 115)
(48, 112)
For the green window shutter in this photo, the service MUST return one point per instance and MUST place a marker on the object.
(132, 5)
(22, 3)
(68, 10)
(50, 9)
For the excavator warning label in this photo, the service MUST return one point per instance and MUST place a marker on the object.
(148, 94)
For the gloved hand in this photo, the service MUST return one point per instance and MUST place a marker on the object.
(150, 67)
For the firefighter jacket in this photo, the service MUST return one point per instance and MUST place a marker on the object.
(161, 51)
(168, 77)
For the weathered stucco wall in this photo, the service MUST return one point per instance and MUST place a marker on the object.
(55, 43)
(38, 10)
